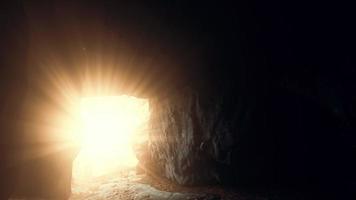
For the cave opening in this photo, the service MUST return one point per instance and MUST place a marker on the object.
(110, 128)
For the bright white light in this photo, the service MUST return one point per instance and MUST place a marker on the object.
(109, 127)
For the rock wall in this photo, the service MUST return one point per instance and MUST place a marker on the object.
(177, 142)
(284, 138)
(192, 136)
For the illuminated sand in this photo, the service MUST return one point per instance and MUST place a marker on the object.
(128, 186)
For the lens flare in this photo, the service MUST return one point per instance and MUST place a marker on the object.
(109, 127)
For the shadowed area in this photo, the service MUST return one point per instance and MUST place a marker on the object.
(236, 100)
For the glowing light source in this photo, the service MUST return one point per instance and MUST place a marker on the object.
(109, 127)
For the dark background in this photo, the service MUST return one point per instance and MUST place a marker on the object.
(292, 63)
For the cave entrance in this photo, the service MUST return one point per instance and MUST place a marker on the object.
(111, 126)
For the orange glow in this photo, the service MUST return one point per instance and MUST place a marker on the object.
(109, 127)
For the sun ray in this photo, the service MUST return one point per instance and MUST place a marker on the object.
(109, 124)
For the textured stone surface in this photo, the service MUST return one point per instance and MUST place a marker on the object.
(283, 138)
(189, 137)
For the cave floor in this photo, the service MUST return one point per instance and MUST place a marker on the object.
(126, 185)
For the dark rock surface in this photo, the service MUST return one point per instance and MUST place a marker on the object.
(189, 138)
(281, 139)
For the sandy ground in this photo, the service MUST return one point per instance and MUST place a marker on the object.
(127, 185)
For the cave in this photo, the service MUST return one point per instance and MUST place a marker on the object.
(177, 100)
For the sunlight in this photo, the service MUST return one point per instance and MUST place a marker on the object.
(110, 126)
